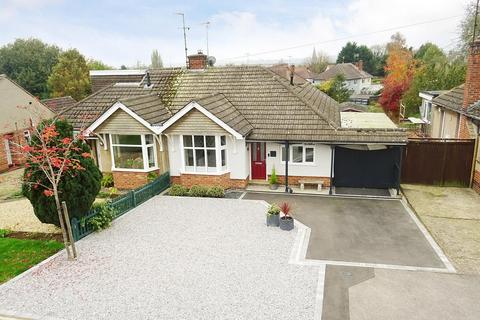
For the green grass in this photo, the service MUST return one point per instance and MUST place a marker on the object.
(18, 255)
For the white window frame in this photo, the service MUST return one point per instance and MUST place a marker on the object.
(304, 154)
(144, 147)
(219, 169)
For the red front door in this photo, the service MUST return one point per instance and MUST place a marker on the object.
(259, 165)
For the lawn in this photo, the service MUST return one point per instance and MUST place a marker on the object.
(18, 255)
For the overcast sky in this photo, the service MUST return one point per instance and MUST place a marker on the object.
(122, 32)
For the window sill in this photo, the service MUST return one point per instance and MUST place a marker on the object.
(135, 170)
(205, 173)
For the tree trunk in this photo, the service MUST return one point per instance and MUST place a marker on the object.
(62, 223)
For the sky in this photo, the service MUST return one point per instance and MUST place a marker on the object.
(122, 32)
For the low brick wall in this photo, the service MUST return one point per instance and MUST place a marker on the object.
(294, 180)
(129, 180)
(476, 182)
(188, 180)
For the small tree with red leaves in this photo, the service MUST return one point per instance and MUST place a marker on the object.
(59, 168)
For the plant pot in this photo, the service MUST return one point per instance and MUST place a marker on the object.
(286, 223)
(273, 220)
(273, 186)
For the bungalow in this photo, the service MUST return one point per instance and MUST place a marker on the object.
(456, 113)
(230, 126)
(356, 79)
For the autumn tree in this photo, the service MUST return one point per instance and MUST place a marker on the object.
(400, 69)
(29, 62)
(70, 76)
(59, 168)
(336, 89)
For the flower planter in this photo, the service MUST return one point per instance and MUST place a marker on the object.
(273, 220)
(286, 223)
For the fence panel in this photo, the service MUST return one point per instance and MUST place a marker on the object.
(443, 162)
(123, 204)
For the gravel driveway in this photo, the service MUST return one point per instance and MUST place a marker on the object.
(173, 258)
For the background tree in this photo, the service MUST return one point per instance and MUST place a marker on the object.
(353, 53)
(467, 27)
(29, 62)
(336, 89)
(400, 69)
(379, 61)
(97, 65)
(156, 60)
(59, 168)
(70, 76)
(317, 63)
(435, 72)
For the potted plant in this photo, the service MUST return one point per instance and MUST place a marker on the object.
(286, 222)
(273, 180)
(273, 215)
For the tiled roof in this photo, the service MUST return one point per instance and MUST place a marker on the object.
(149, 107)
(300, 76)
(104, 78)
(348, 70)
(274, 109)
(351, 106)
(452, 99)
(58, 105)
(474, 110)
(223, 109)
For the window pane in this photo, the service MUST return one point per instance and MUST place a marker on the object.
(297, 154)
(308, 154)
(211, 159)
(210, 141)
(200, 156)
(223, 140)
(149, 139)
(151, 157)
(262, 151)
(128, 157)
(126, 139)
(224, 158)
(198, 141)
(187, 141)
(189, 158)
(284, 156)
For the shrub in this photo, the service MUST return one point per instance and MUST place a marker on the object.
(198, 191)
(78, 188)
(216, 192)
(178, 190)
(273, 177)
(107, 180)
(274, 210)
(4, 233)
(152, 176)
(104, 217)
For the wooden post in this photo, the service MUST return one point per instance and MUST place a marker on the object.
(69, 229)
(64, 233)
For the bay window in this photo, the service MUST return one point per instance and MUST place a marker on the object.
(204, 153)
(133, 152)
(300, 154)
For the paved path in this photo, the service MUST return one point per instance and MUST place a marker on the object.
(174, 258)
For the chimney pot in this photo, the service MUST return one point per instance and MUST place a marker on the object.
(197, 61)
(292, 74)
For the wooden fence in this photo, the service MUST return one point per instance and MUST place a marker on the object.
(442, 162)
(82, 228)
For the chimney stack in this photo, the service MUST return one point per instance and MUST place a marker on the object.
(471, 89)
(197, 61)
(292, 73)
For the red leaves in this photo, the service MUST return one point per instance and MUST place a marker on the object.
(86, 155)
(49, 132)
(27, 148)
(66, 141)
(286, 208)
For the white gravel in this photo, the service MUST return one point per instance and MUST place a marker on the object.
(174, 258)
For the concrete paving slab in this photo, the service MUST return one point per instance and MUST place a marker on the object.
(359, 230)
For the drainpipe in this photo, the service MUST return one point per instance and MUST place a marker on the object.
(332, 160)
(287, 153)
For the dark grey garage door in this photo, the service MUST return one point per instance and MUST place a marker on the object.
(377, 169)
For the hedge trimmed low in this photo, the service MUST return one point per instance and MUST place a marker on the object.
(196, 191)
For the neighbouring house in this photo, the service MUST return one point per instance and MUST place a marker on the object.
(59, 105)
(230, 126)
(353, 107)
(301, 74)
(103, 78)
(356, 79)
(20, 112)
(455, 113)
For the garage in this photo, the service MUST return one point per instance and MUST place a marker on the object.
(376, 167)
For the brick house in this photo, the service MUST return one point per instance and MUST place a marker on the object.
(455, 113)
(230, 126)
(20, 112)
